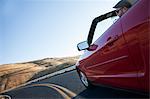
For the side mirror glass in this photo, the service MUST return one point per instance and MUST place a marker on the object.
(83, 45)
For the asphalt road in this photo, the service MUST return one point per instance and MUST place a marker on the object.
(67, 85)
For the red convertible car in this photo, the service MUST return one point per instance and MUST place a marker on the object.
(120, 56)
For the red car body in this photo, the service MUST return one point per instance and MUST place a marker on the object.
(121, 56)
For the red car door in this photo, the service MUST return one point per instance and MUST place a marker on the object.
(136, 32)
(111, 63)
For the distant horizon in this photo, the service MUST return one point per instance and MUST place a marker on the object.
(36, 29)
(39, 59)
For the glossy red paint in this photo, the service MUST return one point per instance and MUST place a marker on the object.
(136, 32)
(121, 58)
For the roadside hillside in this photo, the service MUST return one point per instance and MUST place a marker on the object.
(12, 75)
(52, 62)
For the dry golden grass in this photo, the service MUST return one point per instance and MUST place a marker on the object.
(15, 74)
(12, 75)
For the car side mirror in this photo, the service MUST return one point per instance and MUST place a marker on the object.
(83, 45)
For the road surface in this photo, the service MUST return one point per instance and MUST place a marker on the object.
(67, 86)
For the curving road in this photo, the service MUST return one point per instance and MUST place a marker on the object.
(67, 86)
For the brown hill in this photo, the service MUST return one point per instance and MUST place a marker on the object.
(12, 75)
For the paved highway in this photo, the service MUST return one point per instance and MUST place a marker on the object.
(67, 86)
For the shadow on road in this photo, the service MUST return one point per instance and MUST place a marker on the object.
(103, 92)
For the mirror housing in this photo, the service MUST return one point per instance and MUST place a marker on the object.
(83, 45)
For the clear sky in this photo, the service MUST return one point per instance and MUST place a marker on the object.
(36, 29)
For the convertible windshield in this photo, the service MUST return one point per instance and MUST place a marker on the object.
(103, 26)
(96, 21)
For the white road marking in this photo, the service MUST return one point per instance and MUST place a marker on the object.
(44, 77)
(5, 97)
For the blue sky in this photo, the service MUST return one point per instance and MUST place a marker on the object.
(36, 29)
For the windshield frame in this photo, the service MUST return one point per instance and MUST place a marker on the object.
(96, 21)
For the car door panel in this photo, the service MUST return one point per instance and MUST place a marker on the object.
(136, 32)
(111, 63)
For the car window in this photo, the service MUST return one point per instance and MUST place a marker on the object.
(103, 26)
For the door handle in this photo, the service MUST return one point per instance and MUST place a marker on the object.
(111, 40)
